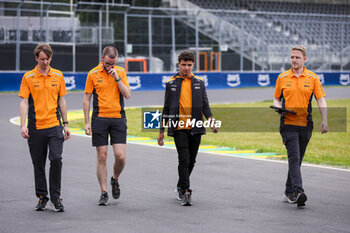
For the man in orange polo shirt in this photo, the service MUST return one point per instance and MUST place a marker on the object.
(295, 89)
(42, 97)
(109, 86)
(185, 100)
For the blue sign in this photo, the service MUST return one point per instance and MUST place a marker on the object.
(151, 119)
(11, 81)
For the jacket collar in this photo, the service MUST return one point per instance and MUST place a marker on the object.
(177, 75)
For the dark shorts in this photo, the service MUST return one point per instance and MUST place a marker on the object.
(103, 127)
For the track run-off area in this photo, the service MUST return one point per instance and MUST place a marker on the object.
(230, 192)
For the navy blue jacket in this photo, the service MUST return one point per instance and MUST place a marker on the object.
(200, 103)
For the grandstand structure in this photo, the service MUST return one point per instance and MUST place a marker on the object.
(227, 35)
(263, 31)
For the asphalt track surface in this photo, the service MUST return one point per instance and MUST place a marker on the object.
(230, 194)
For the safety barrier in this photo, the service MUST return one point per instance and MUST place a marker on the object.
(10, 81)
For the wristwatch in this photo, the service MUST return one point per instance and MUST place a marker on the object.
(65, 122)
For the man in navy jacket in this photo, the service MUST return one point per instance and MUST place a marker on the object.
(185, 103)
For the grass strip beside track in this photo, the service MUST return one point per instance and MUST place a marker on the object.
(332, 148)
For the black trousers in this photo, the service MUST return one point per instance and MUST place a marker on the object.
(187, 148)
(295, 140)
(40, 141)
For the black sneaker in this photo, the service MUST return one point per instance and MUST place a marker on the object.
(57, 205)
(301, 199)
(187, 200)
(115, 188)
(103, 199)
(290, 198)
(179, 194)
(41, 203)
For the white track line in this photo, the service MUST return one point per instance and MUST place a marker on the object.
(253, 158)
(12, 120)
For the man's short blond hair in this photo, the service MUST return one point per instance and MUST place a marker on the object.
(46, 48)
(300, 48)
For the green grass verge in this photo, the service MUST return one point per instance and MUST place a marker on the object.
(332, 148)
